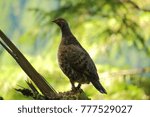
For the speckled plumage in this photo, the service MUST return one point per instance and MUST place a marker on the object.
(74, 61)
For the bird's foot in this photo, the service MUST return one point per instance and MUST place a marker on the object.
(75, 89)
(78, 87)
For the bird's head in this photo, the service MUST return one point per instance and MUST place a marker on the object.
(60, 22)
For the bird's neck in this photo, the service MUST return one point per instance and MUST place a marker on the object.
(67, 36)
(66, 31)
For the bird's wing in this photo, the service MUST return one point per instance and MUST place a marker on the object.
(81, 62)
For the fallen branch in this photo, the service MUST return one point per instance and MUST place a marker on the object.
(37, 78)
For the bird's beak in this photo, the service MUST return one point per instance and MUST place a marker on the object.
(54, 21)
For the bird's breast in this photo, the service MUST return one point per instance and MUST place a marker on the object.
(62, 55)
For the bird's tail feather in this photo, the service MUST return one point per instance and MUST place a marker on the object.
(98, 86)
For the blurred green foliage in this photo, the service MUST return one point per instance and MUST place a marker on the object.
(116, 33)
